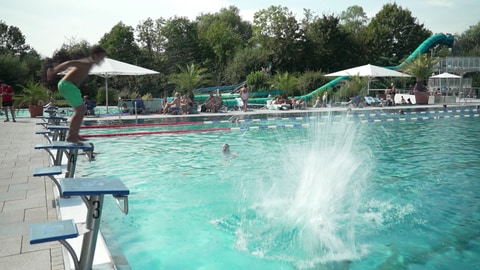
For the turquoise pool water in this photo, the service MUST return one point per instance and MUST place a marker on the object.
(346, 195)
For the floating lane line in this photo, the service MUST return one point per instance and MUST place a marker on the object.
(295, 125)
(234, 119)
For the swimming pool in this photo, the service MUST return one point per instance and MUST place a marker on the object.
(341, 195)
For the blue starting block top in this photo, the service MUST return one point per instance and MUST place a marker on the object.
(92, 186)
(42, 132)
(61, 118)
(65, 146)
(52, 231)
(57, 127)
(46, 171)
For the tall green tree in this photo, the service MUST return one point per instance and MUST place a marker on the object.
(12, 40)
(327, 47)
(13, 70)
(18, 62)
(149, 36)
(393, 34)
(354, 19)
(120, 44)
(468, 43)
(245, 61)
(182, 46)
(220, 35)
(276, 29)
(223, 32)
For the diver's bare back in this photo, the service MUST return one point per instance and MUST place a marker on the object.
(79, 71)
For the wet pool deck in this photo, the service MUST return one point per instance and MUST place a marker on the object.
(25, 199)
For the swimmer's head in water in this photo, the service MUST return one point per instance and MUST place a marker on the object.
(225, 148)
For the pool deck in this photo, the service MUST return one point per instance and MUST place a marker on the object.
(25, 199)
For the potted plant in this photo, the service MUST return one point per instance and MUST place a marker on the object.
(421, 68)
(34, 96)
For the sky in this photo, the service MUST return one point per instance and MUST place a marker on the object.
(47, 24)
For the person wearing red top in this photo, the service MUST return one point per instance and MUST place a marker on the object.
(7, 100)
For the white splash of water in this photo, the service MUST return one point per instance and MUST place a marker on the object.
(309, 216)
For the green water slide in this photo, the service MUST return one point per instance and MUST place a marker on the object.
(437, 39)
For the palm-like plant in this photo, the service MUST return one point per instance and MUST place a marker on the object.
(421, 68)
(356, 85)
(190, 78)
(33, 94)
(284, 81)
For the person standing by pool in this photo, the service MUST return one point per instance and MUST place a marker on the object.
(68, 87)
(7, 100)
(244, 95)
(318, 103)
(393, 92)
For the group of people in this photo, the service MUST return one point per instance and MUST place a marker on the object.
(390, 95)
(179, 105)
(212, 104)
(289, 103)
(319, 103)
(6, 91)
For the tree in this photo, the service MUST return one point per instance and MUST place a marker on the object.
(12, 40)
(120, 44)
(393, 34)
(13, 70)
(190, 78)
(244, 62)
(354, 19)
(468, 43)
(149, 36)
(220, 35)
(327, 47)
(18, 62)
(277, 30)
(182, 46)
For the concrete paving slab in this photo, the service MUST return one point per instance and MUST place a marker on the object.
(24, 199)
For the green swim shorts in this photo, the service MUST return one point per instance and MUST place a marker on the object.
(70, 92)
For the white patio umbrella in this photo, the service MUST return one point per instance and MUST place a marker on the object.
(370, 71)
(109, 68)
(447, 76)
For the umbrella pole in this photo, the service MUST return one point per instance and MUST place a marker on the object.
(106, 92)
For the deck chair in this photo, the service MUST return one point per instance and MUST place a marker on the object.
(369, 101)
(90, 104)
(355, 102)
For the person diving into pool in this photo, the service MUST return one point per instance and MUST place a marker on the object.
(68, 86)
